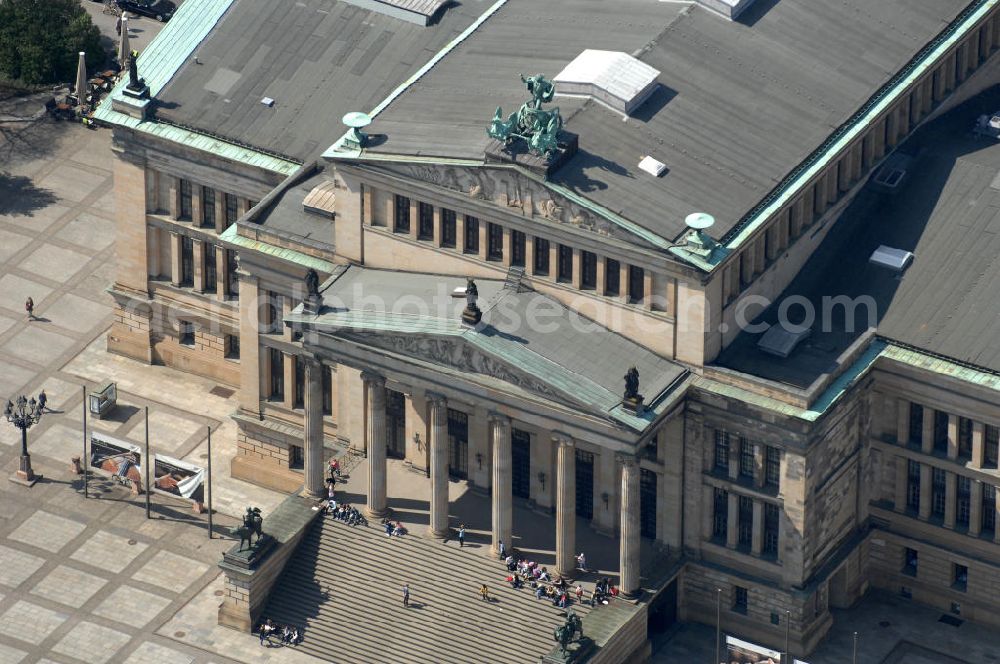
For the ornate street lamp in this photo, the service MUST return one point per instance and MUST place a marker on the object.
(23, 414)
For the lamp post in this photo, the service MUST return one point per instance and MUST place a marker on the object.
(718, 623)
(23, 414)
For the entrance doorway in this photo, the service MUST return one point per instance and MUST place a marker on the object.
(395, 424)
(458, 444)
(520, 449)
(647, 503)
(584, 484)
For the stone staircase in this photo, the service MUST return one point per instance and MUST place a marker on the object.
(344, 587)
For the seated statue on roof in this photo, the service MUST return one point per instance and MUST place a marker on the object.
(537, 127)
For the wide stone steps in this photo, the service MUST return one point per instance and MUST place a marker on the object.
(344, 587)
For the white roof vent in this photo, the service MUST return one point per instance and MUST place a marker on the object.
(728, 8)
(652, 166)
(781, 341)
(321, 200)
(267, 101)
(896, 260)
(420, 12)
(613, 78)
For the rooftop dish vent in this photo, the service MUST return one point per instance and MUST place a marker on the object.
(697, 241)
(421, 12)
(613, 78)
(896, 260)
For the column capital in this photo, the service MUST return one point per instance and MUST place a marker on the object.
(627, 459)
(563, 439)
(436, 399)
(498, 418)
(372, 378)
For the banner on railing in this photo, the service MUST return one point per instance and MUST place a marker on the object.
(116, 457)
(178, 478)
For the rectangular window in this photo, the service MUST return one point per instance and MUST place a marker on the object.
(746, 458)
(989, 508)
(494, 242)
(296, 458)
(425, 221)
(518, 242)
(910, 560)
(745, 522)
(940, 432)
(959, 577)
(211, 272)
(771, 516)
(636, 284)
(740, 599)
(721, 450)
(187, 262)
(276, 391)
(772, 466)
(913, 485)
(208, 207)
(186, 336)
(541, 256)
(232, 346)
(938, 492)
(965, 437)
(448, 233)
(299, 397)
(186, 207)
(231, 209)
(588, 270)
(564, 263)
(471, 245)
(916, 424)
(232, 280)
(720, 514)
(964, 493)
(991, 443)
(327, 379)
(401, 215)
(612, 277)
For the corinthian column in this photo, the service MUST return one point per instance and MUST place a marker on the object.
(630, 526)
(502, 498)
(565, 504)
(314, 429)
(439, 465)
(375, 425)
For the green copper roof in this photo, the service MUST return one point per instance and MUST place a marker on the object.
(942, 366)
(231, 237)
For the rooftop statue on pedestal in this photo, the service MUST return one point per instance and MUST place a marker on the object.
(538, 127)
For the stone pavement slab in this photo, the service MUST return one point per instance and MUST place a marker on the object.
(9, 655)
(12, 378)
(54, 262)
(14, 290)
(152, 653)
(167, 432)
(68, 586)
(11, 243)
(58, 392)
(38, 220)
(47, 531)
(170, 571)
(17, 566)
(89, 230)
(108, 551)
(77, 313)
(131, 606)
(38, 345)
(96, 643)
(30, 623)
(71, 183)
(59, 442)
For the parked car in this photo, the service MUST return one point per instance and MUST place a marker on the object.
(161, 10)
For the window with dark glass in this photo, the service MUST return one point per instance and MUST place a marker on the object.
(276, 370)
(564, 263)
(401, 215)
(296, 457)
(771, 515)
(651, 450)
(211, 273)
(232, 281)
(772, 466)
(208, 207)
(720, 514)
(231, 209)
(187, 262)
(913, 485)
(989, 508)
(471, 244)
(232, 346)
(745, 522)
(647, 503)
(938, 492)
(327, 379)
(541, 256)
(186, 333)
(960, 577)
(740, 599)
(940, 432)
(991, 444)
(494, 242)
(186, 207)
(963, 493)
(721, 450)
(612, 277)
(636, 284)
(916, 423)
(425, 221)
(448, 226)
(964, 437)
(299, 397)
(518, 242)
(746, 458)
(588, 270)
(910, 561)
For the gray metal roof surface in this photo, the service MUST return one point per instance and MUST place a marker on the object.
(947, 214)
(741, 104)
(318, 59)
(286, 214)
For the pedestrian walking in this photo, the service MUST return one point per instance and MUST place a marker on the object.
(118, 26)
(581, 562)
(484, 592)
(29, 306)
(503, 550)
(42, 400)
(461, 536)
(406, 595)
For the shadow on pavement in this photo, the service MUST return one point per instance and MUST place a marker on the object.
(20, 196)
